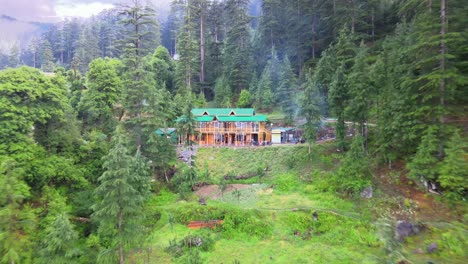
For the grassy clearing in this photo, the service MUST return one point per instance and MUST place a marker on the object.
(272, 222)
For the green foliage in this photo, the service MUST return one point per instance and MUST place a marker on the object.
(163, 68)
(59, 244)
(222, 92)
(310, 109)
(123, 189)
(16, 217)
(184, 179)
(245, 99)
(27, 98)
(202, 241)
(425, 162)
(453, 171)
(246, 223)
(104, 90)
(286, 182)
(161, 153)
(353, 174)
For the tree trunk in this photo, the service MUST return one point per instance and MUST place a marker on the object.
(121, 253)
(34, 59)
(313, 36)
(353, 17)
(443, 51)
(373, 25)
(202, 51)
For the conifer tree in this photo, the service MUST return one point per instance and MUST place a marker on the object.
(310, 109)
(287, 90)
(353, 174)
(60, 241)
(187, 51)
(237, 52)
(47, 57)
(139, 19)
(453, 172)
(424, 164)
(223, 92)
(121, 194)
(16, 218)
(360, 92)
(14, 58)
(104, 89)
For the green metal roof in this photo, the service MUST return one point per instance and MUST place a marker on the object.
(223, 111)
(255, 118)
(165, 131)
(203, 118)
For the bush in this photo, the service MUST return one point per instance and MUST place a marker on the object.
(188, 212)
(286, 182)
(250, 223)
(202, 241)
(184, 179)
(353, 175)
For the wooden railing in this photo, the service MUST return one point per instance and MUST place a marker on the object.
(229, 130)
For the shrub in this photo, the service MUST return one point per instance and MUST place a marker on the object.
(250, 223)
(202, 241)
(286, 182)
(185, 213)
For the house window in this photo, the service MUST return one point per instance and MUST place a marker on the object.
(216, 125)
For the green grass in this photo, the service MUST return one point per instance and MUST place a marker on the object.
(272, 222)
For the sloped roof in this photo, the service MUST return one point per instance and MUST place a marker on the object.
(223, 111)
(165, 131)
(255, 118)
(204, 118)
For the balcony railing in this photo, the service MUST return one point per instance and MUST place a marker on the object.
(228, 130)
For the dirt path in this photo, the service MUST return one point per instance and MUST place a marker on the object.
(214, 192)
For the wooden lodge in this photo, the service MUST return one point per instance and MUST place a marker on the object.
(230, 127)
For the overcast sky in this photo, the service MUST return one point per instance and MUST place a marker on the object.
(52, 11)
(55, 10)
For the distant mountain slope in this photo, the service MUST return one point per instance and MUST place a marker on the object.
(18, 31)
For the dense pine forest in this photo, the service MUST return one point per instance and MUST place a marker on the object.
(85, 178)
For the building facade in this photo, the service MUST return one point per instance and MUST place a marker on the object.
(230, 127)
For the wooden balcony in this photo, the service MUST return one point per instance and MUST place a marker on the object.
(229, 130)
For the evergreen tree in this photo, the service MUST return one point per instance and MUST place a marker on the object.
(96, 107)
(453, 172)
(16, 218)
(338, 93)
(187, 51)
(424, 164)
(121, 194)
(163, 67)
(287, 90)
(33, 49)
(139, 20)
(14, 58)
(360, 92)
(264, 97)
(237, 52)
(223, 92)
(353, 174)
(310, 109)
(59, 245)
(47, 56)
(245, 99)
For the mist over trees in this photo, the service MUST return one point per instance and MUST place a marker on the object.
(76, 136)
